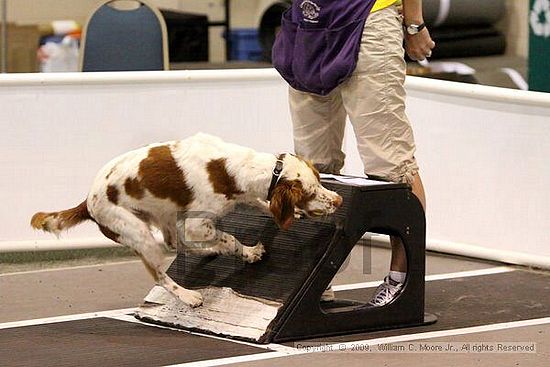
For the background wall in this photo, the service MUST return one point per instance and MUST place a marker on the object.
(483, 151)
(45, 11)
(244, 15)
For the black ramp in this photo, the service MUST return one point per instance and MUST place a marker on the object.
(472, 301)
(274, 278)
(277, 298)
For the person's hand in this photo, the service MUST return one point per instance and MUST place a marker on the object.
(419, 46)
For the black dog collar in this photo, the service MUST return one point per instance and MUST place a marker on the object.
(276, 175)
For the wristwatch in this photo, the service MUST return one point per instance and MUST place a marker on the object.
(414, 28)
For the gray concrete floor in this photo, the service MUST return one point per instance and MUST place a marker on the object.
(122, 282)
(537, 334)
(112, 284)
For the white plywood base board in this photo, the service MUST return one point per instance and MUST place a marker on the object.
(223, 312)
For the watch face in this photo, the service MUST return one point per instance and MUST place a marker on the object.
(412, 29)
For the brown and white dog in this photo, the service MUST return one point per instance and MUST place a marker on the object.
(149, 186)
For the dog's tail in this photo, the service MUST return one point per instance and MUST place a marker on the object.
(57, 221)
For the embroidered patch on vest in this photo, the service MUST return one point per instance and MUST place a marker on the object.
(310, 11)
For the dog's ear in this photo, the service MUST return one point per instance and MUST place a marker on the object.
(314, 169)
(285, 196)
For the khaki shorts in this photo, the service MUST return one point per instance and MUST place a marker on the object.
(373, 98)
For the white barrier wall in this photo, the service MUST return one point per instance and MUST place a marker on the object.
(483, 153)
(482, 150)
(58, 130)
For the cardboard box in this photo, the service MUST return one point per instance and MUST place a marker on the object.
(23, 42)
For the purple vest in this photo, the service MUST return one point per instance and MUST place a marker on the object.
(319, 42)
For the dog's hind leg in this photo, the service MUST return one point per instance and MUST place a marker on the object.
(127, 229)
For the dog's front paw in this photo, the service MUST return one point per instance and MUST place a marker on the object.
(263, 205)
(253, 254)
(189, 297)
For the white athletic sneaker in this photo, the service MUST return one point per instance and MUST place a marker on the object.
(386, 292)
(328, 295)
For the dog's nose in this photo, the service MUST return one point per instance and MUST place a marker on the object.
(338, 201)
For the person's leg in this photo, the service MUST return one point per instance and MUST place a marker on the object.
(318, 128)
(398, 255)
(374, 98)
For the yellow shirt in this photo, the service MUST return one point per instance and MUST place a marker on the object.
(381, 4)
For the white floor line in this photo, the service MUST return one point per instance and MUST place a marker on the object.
(428, 278)
(391, 339)
(51, 320)
(516, 77)
(70, 268)
(275, 347)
